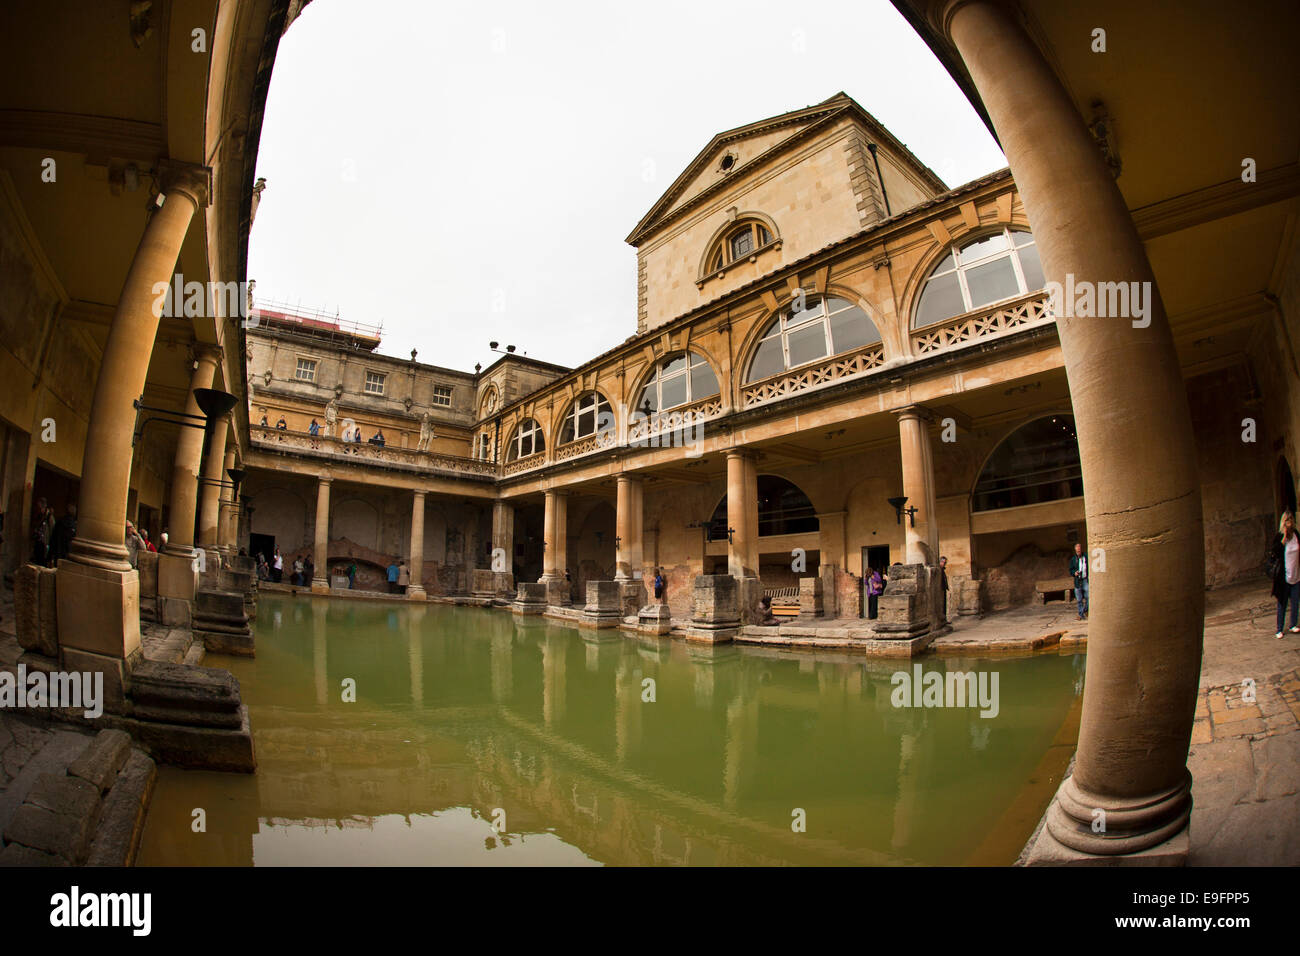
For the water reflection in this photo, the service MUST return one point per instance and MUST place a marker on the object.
(597, 747)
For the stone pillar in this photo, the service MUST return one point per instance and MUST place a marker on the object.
(415, 590)
(548, 535)
(226, 512)
(210, 498)
(742, 515)
(320, 576)
(1143, 499)
(922, 534)
(503, 548)
(629, 557)
(176, 575)
(98, 591)
(555, 557)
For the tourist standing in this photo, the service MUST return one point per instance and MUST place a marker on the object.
(133, 544)
(1079, 571)
(875, 588)
(277, 567)
(392, 578)
(314, 428)
(308, 571)
(659, 584)
(64, 531)
(352, 575)
(298, 567)
(1284, 567)
(403, 578)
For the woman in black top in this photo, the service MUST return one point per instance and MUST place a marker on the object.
(1285, 590)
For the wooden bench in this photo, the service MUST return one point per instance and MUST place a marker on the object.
(785, 601)
(1064, 586)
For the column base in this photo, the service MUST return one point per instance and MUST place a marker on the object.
(415, 592)
(1046, 850)
(177, 584)
(320, 586)
(98, 609)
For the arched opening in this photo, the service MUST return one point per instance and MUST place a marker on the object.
(590, 415)
(680, 379)
(977, 273)
(783, 508)
(525, 440)
(1285, 487)
(810, 330)
(1037, 463)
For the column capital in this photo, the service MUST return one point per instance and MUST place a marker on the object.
(188, 179)
(739, 452)
(914, 412)
(325, 479)
(418, 493)
(203, 351)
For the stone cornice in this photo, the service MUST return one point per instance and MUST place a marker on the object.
(99, 138)
(1217, 202)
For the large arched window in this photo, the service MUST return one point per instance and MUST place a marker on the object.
(745, 239)
(978, 273)
(679, 380)
(589, 415)
(1037, 462)
(782, 509)
(827, 325)
(525, 440)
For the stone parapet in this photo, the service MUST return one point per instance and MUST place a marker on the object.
(604, 604)
(904, 610)
(36, 610)
(530, 598)
(811, 598)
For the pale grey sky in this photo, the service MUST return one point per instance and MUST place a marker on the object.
(467, 172)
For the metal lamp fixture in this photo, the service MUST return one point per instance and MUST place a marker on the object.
(899, 510)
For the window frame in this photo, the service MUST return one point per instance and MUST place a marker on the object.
(953, 249)
(694, 360)
(531, 429)
(578, 409)
(365, 384)
(438, 393)
(721, 255)
(779, 323)
(298, 369)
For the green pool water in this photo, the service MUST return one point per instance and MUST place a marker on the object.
(479, 738)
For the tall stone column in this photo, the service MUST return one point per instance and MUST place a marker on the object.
(210, 497)
(1142, 491)
(742, 514)
(320, 577)
(226, 514)
(503, 548)
(415, 590)
(555, 559)
(176, 575)
(629, 522)
(922, 537)
(98, 591)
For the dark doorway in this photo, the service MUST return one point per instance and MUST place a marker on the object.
(263, 544)
(875, 556)
(1285, 487)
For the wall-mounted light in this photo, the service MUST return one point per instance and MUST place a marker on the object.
(899, 510)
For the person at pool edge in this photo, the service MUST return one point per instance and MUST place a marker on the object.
(1079, 571)
(943, 581)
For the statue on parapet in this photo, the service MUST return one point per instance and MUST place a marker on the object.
(426, 432)
(331, 416)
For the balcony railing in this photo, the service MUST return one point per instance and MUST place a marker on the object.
(1027, 311)
(813, 376)
(323, 446)
(527, 463)
(643, 428)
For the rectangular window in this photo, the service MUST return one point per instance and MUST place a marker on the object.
(375, 383)
(306, 371)
(442, 395)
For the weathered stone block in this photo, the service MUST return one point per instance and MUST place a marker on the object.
(121, 819)
(178, 694)
(36, 609)
(904, 609)
(114, 669)
(655, 618)
(604, 606)
(714, 601)
(811, 598)
(970, 598)
(530, 598)
(146, 564)
(100, 762)
(482, 583)
(98, 609)
(632, 597)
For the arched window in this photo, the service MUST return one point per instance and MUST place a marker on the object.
(1037, 462)
(679, 380)
(526, 440)
(587, 416)
(737, 244)
(982, 271)
(782, 509)
(827, 325)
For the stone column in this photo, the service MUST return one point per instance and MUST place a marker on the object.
(629, 521)
(176, 577)
(554, 562)
(415, 590)
(226, 512)
(503, 531)
(922, 534)
(742, 514)
(210, 497)
(1143, 499)
(320, 576)
(98, 591)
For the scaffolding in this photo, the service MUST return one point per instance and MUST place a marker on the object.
(294, 318)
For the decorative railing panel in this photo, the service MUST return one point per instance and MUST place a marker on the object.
(816, 375)
(642, 427)
(524, 464)
(585, 446)
(1026, 312)
(366, 453)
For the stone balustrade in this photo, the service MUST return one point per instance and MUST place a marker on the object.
(988, 323)
(324, 446)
